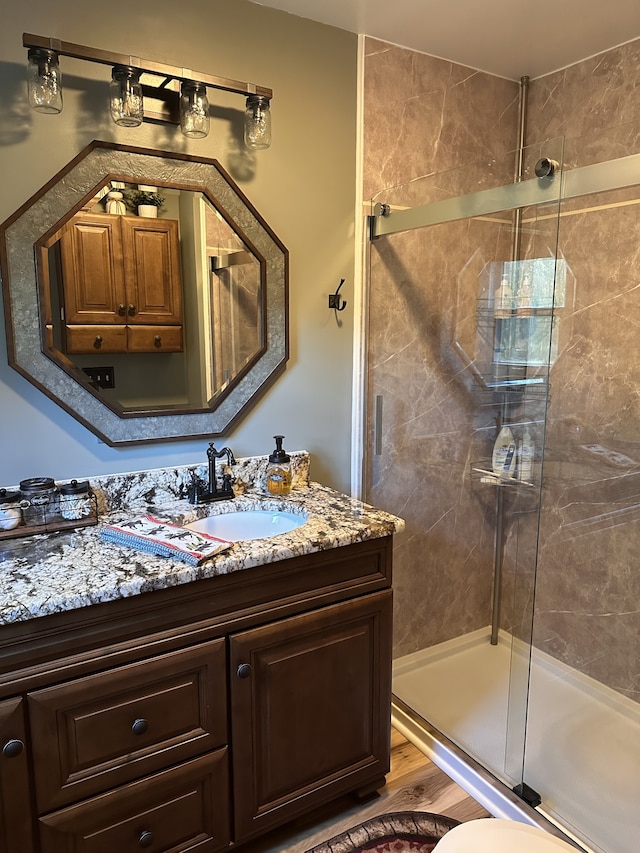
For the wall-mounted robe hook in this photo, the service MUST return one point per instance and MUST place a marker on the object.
(334, 299)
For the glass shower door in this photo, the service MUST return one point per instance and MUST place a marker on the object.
(583, 732)
(461, 329)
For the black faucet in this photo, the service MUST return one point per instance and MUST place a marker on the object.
(201, 492)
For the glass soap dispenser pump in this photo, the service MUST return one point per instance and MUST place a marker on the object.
(279, 470)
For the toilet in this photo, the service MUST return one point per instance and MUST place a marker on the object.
(497, 835)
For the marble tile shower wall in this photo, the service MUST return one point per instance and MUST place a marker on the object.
(422, 116)
(425, 116)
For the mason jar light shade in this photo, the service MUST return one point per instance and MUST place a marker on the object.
(125, 96)
(257, 122)
(44, 80)
(194, 110)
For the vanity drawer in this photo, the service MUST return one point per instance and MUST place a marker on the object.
(186, 808)
(97, 732)
(155, 338)
(89, 339)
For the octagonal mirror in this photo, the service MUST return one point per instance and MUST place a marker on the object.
(145, 294)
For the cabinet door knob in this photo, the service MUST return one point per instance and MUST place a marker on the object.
(121, 310)
(12, 748)
(146, 838)
(132, 310)
(244, 670)
(140, 726)
(98, 341)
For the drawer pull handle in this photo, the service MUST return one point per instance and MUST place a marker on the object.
(157, 340)
(140, 726)
(12, 748)
(244, 670)
(146, 838)
(98, 341)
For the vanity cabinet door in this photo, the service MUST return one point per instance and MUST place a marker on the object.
(152, 271)
(96, 732)
(93, 270)
(15, 812)
(185, 808)
(311, 704)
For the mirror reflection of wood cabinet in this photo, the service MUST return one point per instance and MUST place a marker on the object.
(122, 284)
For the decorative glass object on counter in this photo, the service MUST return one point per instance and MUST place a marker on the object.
(39, 500)
(42, 506)
(10, 509)
(75, 499)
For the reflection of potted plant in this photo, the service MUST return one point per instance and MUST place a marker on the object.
(146, 203)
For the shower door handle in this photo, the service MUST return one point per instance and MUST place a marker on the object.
(377, 426)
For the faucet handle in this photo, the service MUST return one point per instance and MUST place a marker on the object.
(195, 489)
(227, 483)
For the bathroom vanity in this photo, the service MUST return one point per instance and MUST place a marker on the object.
(147, 704)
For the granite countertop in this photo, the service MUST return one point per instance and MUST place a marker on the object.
(54, 572)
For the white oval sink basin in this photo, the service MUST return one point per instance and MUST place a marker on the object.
(247, 524)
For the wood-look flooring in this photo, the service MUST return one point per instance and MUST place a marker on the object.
(413, 784)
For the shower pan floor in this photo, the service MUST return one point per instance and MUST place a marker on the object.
(582, 740)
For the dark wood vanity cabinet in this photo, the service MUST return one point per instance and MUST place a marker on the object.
(310, 706)
(199, 717)
(15, 813)
(122, 284)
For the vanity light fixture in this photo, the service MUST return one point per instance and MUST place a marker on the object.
(143, 89)
(257, 122)
(194, 109)
(44, 80)
(125, 96)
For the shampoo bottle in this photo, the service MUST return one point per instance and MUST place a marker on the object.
(503, 461)
(279, 470)
(526, 457)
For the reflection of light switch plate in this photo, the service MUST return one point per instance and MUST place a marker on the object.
(104, 377)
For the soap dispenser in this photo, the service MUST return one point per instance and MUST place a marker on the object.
(279, 470)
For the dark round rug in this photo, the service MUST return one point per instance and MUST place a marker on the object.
(399, 832)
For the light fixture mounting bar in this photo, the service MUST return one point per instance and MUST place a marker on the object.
(172, 72)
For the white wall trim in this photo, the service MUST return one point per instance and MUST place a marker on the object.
(360, 293)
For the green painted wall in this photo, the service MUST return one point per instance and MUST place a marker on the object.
(304, 186)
